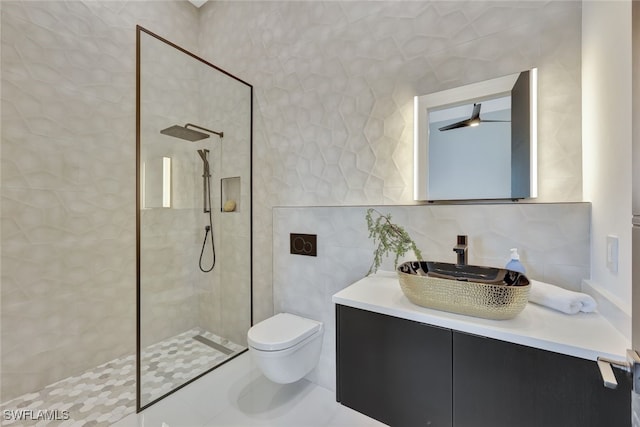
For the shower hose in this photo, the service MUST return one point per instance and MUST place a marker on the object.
(208, 230)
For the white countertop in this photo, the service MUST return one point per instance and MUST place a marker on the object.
(583, 335)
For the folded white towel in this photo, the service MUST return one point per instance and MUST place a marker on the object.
(561, 299)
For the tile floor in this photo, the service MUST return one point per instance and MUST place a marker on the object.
(174, 361)
(234, 394)
(105, 394)
(237, 394)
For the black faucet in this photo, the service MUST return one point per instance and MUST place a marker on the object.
(461, 250)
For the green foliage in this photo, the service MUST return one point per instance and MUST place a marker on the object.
(389, 237)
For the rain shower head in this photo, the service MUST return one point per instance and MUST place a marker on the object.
(183, 132)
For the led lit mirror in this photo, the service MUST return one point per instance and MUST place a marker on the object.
(477, 142)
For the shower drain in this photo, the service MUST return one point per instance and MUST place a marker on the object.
(213, 344)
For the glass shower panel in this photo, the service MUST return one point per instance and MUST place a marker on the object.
(194, 216)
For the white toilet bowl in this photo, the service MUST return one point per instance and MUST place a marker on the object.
(286, 347)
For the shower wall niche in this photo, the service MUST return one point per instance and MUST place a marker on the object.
(231, 194)
(200, 318)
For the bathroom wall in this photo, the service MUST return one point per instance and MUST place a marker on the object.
(552, 239)
(333, 126)
(334, 86)
(169, 237)
(68, 174)
(606, 73)
(224, 303)
(176, 294)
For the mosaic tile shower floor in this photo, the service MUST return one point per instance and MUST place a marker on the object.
(103, 395)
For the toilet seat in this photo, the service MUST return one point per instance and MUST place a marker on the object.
(282, 331)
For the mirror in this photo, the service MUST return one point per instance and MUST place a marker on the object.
(477, 142)
(194, 142)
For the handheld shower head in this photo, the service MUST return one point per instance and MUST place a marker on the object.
(183, 132)
(206, 176)
(203, 155)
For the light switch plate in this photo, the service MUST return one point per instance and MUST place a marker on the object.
(612, 253)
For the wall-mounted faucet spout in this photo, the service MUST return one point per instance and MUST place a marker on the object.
(461, 250)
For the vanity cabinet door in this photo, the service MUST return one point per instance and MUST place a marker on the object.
(396, 371)
(500, 384)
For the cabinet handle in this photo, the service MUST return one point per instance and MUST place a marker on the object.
(607, 373)
(632, 365)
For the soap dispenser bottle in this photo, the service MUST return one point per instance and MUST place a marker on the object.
(514, 263)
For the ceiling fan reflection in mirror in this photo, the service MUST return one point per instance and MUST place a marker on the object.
(474, 120)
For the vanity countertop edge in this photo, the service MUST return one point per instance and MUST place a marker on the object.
(583, 335)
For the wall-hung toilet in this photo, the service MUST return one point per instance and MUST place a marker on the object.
(286, 347)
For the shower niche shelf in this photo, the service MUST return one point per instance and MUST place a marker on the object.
(230, 194)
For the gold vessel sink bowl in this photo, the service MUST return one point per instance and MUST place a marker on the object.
(487, 292)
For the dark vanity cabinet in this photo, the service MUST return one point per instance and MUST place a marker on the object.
(405, 373)
(384, 364)
(500, 384)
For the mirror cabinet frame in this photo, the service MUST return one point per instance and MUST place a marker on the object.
(469, 94)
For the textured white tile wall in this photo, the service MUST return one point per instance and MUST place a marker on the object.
(176, 295)
(553, 242)
(225, 106)
(334, 85)
(68, 182)
(169, 238)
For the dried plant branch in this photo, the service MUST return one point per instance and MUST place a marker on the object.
(389, 237)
